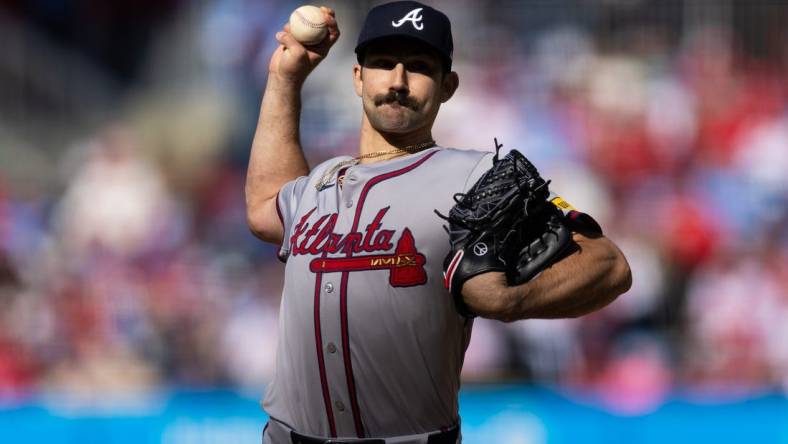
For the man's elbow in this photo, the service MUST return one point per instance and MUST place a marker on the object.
(622, 273)
(263, 226)
(256, 226)
(620, 279)
(625, 282)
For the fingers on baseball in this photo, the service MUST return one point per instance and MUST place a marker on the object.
(331, 24)
(318, 51)
(289, 42)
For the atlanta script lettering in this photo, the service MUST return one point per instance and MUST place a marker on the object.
(320, 237)
(405, 264)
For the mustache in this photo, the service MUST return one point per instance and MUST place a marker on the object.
(396, 97)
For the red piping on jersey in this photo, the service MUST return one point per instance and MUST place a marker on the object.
(279, 211)
(351, 386)
(343, 291)
(284, 234)
(320, 361)
(452, 268)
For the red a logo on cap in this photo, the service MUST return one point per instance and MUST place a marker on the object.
(414, 17)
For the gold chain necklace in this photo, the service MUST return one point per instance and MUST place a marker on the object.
(410, 149)
(406, 149)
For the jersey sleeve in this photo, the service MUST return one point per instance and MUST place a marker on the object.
(481, 167)
(286, 205)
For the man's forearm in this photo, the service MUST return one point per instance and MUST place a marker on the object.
(276, 156)
(589, 278)
(586, 280)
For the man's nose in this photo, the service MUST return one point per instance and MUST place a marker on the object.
(399, 81)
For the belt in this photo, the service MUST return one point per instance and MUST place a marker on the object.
(448, 436)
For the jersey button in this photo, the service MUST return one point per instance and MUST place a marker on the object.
(340, 406)
(349, 203)
(331, 347)
(329, 287)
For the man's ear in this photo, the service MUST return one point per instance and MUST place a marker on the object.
(450, 83)
(357, 82)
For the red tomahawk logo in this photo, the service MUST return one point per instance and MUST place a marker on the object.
(406, 264)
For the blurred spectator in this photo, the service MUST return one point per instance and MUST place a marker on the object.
(736, 307)
(115, 202)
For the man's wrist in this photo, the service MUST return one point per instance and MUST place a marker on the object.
(517, 299)
(284, 84)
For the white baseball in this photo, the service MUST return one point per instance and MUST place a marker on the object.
(308, 25)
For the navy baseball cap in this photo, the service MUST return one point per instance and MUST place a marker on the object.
(411, 20)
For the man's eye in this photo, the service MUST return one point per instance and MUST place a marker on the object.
(419, 66)
(383, 64)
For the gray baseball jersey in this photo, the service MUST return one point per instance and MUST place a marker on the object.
(370, 343)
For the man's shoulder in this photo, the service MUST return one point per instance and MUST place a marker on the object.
(468, 163)
(317, 175)
(329, 163)
(464, 152)
(471, 156)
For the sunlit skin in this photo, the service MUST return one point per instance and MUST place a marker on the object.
(402, 85)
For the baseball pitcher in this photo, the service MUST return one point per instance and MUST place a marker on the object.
(392, 251)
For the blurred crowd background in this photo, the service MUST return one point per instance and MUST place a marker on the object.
(125, 260)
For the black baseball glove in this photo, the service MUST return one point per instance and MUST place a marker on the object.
(505, 223)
